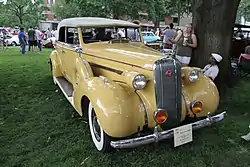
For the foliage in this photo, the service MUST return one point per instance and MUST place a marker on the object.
(26, 12)
(179, 7)
(7, 19)
(65, 10)
(36, 127)
(157, 9)
(244, 10)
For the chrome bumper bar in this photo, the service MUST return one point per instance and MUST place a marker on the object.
(158, 136)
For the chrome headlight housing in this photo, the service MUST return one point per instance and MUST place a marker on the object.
(139, 82)
(193, 76)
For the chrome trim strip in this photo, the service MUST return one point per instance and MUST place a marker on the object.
(176, 87)
(158, 136)
(162, 87)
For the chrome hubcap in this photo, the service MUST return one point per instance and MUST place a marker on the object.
(96, 127)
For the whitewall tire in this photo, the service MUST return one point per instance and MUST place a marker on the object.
(100, 139)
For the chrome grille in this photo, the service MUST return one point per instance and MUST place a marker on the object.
(167, 82)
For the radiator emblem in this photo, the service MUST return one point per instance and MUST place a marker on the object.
(169, 73)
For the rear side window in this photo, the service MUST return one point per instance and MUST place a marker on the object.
(68, 35)
(72, 36)
(61, 34)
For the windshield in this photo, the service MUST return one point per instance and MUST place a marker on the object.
(91, 35)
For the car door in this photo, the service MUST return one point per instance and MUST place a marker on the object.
(60, 48)
(146, 37)
(152, 37)
(70, 55)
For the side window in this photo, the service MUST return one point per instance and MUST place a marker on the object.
(151, 34)
(72, 36)
(61, 34)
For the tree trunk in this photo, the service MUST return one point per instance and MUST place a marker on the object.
(156, 24)
(179, 18)
(20, 20)
(213, 22)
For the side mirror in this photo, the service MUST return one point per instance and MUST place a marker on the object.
(78, 49)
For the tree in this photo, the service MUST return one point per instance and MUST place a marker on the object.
(179, 7)
(100, 8)
(25, 10)
(66, 10)
(6, 18)
(213, 22)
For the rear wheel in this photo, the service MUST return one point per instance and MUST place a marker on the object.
(100, 139)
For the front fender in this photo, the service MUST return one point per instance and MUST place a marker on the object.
(118, 108)
(203, 90)
(55, 64)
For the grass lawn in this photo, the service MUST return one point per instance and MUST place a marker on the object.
(36, 127)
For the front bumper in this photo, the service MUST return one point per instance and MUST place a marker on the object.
(158, 136)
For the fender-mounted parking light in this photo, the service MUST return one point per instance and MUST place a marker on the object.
(160, 116)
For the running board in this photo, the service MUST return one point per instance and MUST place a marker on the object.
(66, 88)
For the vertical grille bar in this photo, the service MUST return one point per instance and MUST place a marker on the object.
(167, 82)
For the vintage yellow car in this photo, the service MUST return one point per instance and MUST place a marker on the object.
(131, 94)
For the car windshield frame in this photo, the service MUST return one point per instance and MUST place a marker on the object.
(115, 33)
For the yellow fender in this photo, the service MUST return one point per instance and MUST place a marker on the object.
(203, 90)
(55, 64)
(82, 71)
(119, 111)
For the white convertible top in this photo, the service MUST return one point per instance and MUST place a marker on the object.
(93, 22)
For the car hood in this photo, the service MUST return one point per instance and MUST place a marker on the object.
(135, 54)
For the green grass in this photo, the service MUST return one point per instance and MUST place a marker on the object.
(36, 127)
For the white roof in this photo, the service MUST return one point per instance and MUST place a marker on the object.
(93, 22)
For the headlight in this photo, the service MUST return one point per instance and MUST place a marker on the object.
(139, 82)
(193, 76)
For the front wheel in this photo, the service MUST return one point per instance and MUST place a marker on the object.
(100, 139)
(13, 44)
(51, 69)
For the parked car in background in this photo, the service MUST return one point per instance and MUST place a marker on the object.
(149, 36)
(130, 94)
(13, 41)
(49, 42)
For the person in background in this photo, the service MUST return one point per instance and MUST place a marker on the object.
(22, 40)
(43, 35)
(121, 33)
(134, 34)
(38, 38)
(48, 33)
(185, 42)
(4, 38)
(211, 70)
(31, 38)
(1, 38)
(245, 55)
(157, 32)
(168, 34)
(54, 33)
